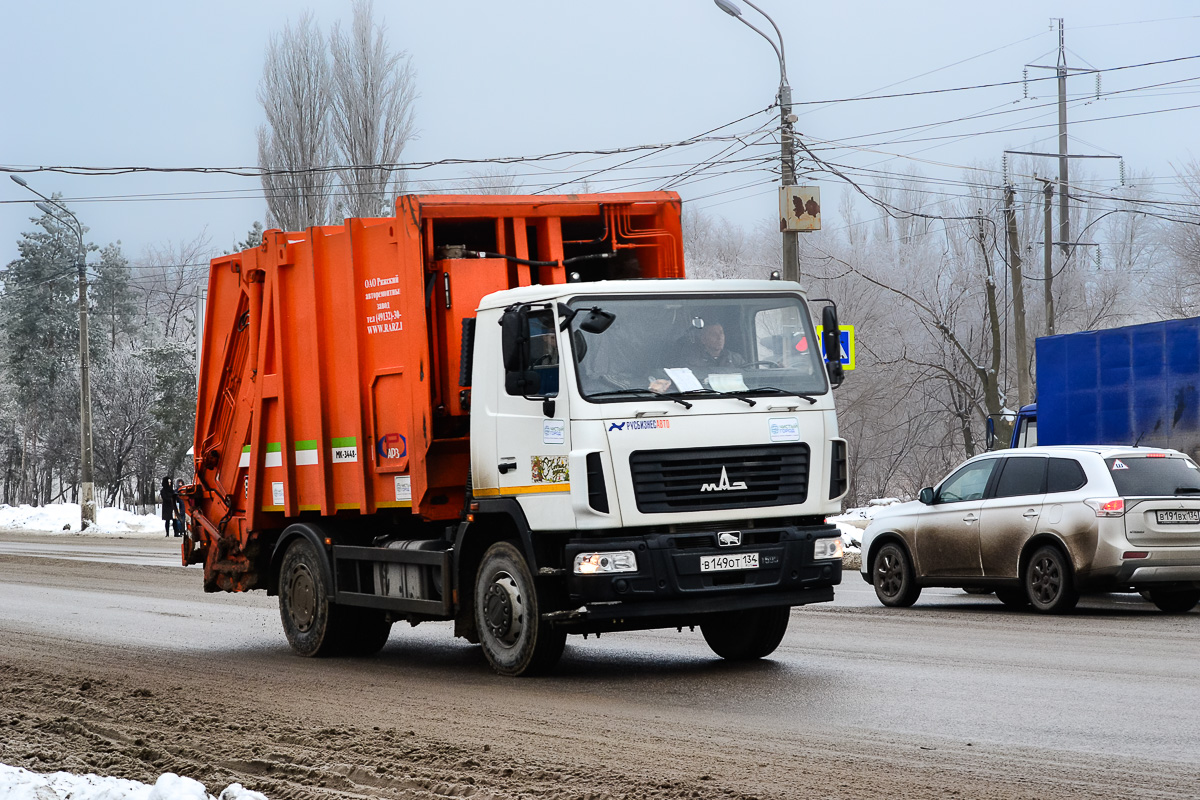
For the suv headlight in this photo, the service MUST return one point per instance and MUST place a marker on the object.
(596, 563)
(825, 549)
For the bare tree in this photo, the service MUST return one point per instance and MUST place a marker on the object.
(373, 90)
(294, 146)
(493, 180)
(170, 277)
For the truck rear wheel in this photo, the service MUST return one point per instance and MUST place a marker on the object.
(507, 613)
(310, 620)
(746, 635)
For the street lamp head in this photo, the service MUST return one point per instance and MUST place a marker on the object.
(45, 208)
(19, 180)
(729, 7)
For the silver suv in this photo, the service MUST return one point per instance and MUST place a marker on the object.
(1041, 525)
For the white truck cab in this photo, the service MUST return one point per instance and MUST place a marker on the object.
(665, 448)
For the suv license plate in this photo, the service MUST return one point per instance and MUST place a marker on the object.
(1188, 517)
(722, 563)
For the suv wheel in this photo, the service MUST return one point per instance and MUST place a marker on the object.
(1048, 582)
(1178, 601)
(893, 576)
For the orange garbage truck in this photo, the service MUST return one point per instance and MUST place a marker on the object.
(513, 413)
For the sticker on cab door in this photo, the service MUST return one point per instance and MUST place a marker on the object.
(550, 469)
(403, 488)
(784, 429)
(554, 431)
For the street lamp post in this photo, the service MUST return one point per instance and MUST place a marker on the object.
(87, 499)
(791, 250)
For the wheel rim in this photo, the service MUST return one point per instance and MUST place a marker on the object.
(302, 598)
(503, 610)
(889, 574)
(1045, 579)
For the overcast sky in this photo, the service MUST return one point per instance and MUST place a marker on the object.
(170, 85)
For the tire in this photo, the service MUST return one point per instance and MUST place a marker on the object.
(310, 621)
(746, 635)
(1013, 597)
(508, 614)
(1048, 582)
(893, 577)
(1175, 601)
(364, 630)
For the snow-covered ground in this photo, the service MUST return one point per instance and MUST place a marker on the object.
(64, 518)
(21, 784)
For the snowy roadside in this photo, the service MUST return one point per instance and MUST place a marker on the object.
(852, 522)
(64, 518)
(21, 784)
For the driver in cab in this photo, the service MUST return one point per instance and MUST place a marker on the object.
(709, 355)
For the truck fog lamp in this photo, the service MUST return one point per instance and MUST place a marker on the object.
(1107, 508)
(603, 563)
(824, 549)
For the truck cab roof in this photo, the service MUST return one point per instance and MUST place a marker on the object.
(546, 292)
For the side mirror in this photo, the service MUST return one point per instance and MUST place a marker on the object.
(926, 496)
(514, 338)
(990, 438)
(831, 343)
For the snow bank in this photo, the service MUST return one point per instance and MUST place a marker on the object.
(64, 518)
(21, 784)
(853, 521)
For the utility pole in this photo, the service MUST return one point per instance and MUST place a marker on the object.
(1048, 258)
(1064, 215)
(87, 489)
(1018, 290)
(787, 155)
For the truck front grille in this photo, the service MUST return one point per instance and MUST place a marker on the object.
(709, 478)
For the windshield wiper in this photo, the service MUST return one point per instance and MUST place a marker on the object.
(718, 393)
(811, 400)
(642, 393)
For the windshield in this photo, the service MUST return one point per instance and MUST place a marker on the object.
(754, 345)
(1154, 476)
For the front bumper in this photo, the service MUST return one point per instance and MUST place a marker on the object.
(670, 588)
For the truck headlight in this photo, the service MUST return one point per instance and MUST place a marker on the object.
(824, 549)
(596, 563)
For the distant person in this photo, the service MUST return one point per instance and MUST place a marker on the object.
(167, 495)
(179, 515)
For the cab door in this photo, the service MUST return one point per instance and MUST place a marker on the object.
(947, 536)
(1010, 516)
(533, 440)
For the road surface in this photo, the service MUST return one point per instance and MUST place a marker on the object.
(113, 660)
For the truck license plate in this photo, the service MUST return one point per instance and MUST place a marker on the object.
(723, 563)
(1188, 517)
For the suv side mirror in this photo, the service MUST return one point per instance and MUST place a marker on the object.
(926, 496)
(831, 343)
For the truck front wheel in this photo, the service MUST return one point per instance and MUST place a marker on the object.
(746, 635)
(508, 616)
(309, 619)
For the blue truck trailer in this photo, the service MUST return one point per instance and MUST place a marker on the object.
(1137, 384)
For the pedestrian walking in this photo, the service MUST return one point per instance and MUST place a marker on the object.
(167, 495)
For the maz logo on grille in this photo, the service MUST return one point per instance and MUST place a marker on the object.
(724, 484)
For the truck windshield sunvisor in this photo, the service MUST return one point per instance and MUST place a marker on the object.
(1138, 476)
(700, 347)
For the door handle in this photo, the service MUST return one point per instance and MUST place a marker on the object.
(505, 466)
(970, 517)
(1030, 514)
